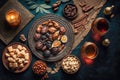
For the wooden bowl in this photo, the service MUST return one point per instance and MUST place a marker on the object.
(5, 61)
(71, 11)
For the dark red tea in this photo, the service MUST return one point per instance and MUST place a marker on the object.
(102, 25)
(90, 51)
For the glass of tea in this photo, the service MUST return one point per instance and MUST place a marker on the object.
(100, 27)
(89, 50)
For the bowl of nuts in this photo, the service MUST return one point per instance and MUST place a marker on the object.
(51, 38)
(16, 57)
(70, 64)
(39, 67)
(70, 11)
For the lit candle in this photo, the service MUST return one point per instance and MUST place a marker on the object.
(13, 18)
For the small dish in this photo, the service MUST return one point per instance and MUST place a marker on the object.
(70, 64)
(39, 67)
(70, 11)
(6, 61)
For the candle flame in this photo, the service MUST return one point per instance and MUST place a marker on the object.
(12, 17)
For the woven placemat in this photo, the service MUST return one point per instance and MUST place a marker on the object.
(85, 22)
(7, 35)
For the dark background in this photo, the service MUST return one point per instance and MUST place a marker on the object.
(105, 67)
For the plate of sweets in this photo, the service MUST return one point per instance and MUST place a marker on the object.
(51, 37)
(16, 57)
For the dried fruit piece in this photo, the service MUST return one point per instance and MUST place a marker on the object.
(55, 35)
(45, 22)
(64, 39)
(38, 29)
(54, 51)
(39, 45)
(56, 25)
(50, 24)
(23, 38)
(37, 36)
(46, 53)
(62, 30)
(52, 29)
(44, 30)
(43, 48)
(56, 43)
(43, 37)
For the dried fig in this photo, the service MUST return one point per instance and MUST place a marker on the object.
(56, 43)
(64, 39)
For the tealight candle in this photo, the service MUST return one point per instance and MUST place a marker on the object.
(13, 18)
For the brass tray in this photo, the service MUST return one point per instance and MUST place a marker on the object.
(69, 33)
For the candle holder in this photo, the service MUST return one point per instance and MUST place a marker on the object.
(13, 18)
(89, 50)
(100, 27)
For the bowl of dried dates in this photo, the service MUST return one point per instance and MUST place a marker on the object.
(50, 38)
(70, 11)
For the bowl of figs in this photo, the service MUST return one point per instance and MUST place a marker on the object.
(50, 38)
